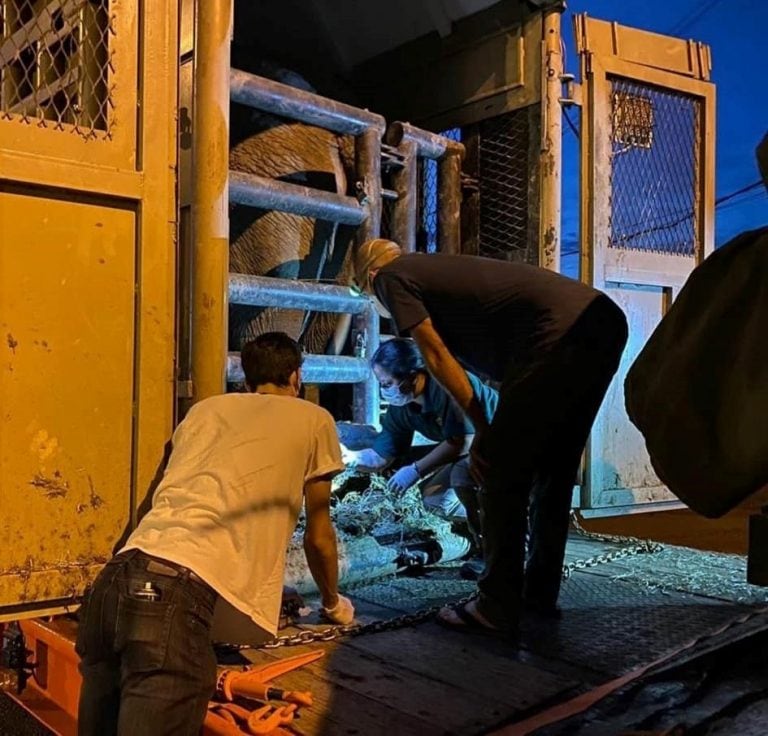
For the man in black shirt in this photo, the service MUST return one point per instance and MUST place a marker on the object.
(553, 344)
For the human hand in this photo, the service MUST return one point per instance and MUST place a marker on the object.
(348, 457)
(404, 478)
(342, 613)
(363, 461)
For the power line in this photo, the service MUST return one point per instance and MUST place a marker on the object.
(571, 125)
(743, 190)
(680, 220)
(693, 17)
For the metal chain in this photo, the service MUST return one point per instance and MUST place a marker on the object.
(332, 633)
(632, 546)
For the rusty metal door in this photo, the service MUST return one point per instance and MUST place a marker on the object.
(647, 182)
(87, 257)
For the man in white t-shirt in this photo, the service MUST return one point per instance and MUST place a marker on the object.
(242, 466)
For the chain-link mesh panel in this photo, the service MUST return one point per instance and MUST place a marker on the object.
(655, 138)
(426, 237)
(56, 64)
(508, 180)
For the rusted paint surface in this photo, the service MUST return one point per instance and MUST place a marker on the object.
(87, 393)
(54, 486)
(65, 471)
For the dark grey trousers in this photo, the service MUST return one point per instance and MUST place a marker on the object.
(546, 409)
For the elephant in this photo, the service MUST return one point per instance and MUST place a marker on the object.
(286, 246)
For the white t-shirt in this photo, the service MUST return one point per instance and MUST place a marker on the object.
(230, 497)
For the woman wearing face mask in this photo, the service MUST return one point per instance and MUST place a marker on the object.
(417, 403)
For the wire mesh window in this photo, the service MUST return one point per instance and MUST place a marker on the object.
(55, 64)
(427, 236)
(655, 141)
(508, 186)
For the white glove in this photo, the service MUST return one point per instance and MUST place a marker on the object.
(348, 457)
(342, 613)
(404, 478)
(365, 458)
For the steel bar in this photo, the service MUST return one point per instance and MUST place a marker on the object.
(449, 204)
(405, 210)
(368, 172)
(430, 145)
(315, 369)
(289, 102)
(365, 396)
(272, 194)
(264, 291)
(210, 202)
(550, 156)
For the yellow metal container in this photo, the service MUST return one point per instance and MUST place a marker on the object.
(87, 288)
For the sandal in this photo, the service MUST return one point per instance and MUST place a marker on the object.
(471, 625)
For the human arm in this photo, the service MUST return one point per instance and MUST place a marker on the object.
(320, 539)
(447, 371)
(319, 534)
(321, 551)
(446, 452)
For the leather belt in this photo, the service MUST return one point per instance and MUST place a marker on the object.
(172, 570)
(160, 566)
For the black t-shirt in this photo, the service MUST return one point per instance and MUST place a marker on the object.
(487, 312)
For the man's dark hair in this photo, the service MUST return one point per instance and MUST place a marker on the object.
(270, 358)
(399, 357)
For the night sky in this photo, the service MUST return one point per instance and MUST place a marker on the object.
(736, 31)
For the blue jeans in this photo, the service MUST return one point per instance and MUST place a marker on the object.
(148, 667)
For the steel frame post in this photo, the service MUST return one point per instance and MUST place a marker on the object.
(551, 152)
(210, 197)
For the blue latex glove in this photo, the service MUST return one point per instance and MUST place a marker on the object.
(403, 479)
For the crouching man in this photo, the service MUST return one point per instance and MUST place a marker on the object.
(418, 403)
(241, 467)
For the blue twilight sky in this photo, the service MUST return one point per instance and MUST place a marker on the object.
(737, 32)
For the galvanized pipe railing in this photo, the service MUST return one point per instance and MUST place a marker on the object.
(414, 142)
(315, 369)
(363, 211)
(368, 168)
(262, 291)
(273, 194)
(430, 145)
(405, 210)
(296, 104)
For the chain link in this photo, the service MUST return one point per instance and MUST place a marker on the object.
(632, 546)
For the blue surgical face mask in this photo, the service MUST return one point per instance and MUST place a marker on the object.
(394, 396)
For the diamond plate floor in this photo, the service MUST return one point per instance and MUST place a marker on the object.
(609, 626)
(612, 626)
(15, 721)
